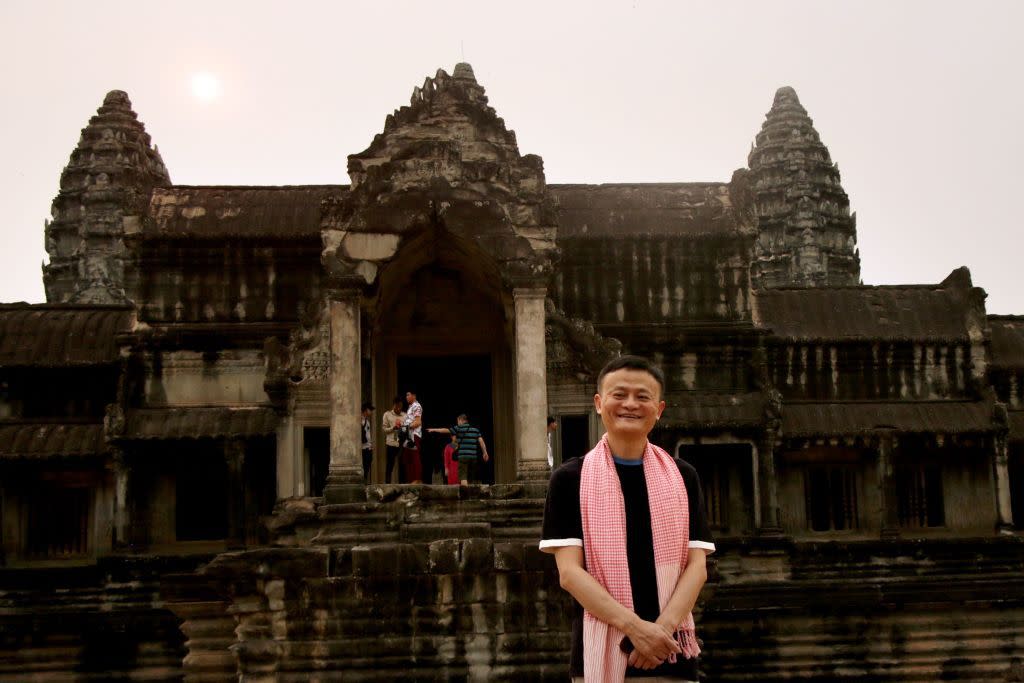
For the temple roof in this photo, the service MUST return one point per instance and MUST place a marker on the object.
(1007, 341)
(606, 210)
(60, 335)
(611, 210)
(199, 422)
(832, 419)
(885, 313)
(41, 440)
(214, 212)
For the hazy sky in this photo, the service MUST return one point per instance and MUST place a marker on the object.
(920, 103)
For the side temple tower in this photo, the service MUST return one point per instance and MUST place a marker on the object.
(807, 236)
(104, 193)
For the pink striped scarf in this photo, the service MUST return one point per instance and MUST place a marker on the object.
(604, 546)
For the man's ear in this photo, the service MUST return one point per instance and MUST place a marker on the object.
(661, 408)
(597, 403)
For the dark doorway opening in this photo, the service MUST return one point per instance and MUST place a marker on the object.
(575, 433)
(447, 386)
(201, 483)
(316, 442)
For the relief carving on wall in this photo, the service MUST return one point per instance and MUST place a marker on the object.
(305, 360)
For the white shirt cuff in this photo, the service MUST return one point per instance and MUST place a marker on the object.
(703, 545)
(560, 543)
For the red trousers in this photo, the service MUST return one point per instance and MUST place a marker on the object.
(411, 462)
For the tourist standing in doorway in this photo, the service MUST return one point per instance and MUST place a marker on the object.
(367, 426)
(392, 418)
(627, 527)
(471, 446)
(413, 421)
(552, 426)
(451, 461)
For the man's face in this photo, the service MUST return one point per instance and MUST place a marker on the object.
(629, 403)
(410, 397)
(366, 412)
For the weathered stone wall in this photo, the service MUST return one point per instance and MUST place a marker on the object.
(191, 281)
(99, 622)
(442, 584)
(447, 584)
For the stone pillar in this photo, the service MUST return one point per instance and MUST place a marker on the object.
(531, 387)
(345, 473)
(234, 456)
(120, 469)
(768, 488)
(887, 485)
(1004, 509)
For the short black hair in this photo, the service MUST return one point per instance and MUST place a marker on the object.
(367, 406)
(397, 400)
(551, 418)
(632, 363)
(463, 416)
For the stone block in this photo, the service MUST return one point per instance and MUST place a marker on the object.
(428, 532)
(383, 559)
(477, 555)
(370, 246)
(509, 557)
(341, 561)
(444, 556)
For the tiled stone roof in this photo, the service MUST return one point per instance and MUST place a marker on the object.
(607, 210)
(57, 335)
(942, 417)
(42, 440)
(241, 212)
(624, 209)
(1007, 341)
(863, 313)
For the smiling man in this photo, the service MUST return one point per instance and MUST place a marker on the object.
(627, 528)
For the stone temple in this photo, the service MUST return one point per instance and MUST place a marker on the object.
(181, 490)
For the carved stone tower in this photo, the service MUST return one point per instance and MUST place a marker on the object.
(104, 192)
(806, 235)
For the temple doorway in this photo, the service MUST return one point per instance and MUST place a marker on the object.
(447, 386)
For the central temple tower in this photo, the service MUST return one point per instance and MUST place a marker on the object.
(806, 235)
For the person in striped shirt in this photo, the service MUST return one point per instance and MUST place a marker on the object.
(471, 446)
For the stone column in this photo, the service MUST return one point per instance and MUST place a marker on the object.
(531, 387)
(1004, 509)
(768, 488)
(345, 473)
(887, 485)
(120, 471)
(234, 456)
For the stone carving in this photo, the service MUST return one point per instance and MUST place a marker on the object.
(305, 359)
(574, 346)
(445, 162)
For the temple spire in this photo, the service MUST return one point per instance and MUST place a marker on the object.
(806, 235)
(104, 193)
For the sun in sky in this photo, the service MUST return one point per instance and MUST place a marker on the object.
(205, 86)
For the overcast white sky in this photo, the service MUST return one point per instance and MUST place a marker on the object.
(920, 103)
